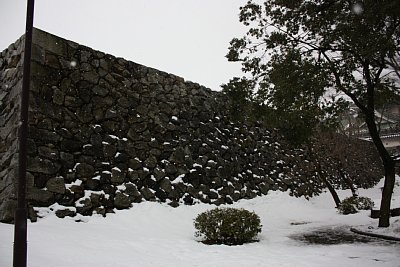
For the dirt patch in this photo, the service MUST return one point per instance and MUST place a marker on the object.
(335, 236)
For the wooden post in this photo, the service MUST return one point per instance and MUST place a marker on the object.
(20, 228)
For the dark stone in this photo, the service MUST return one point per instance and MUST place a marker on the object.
(40, 198)
(188, 200)
(67, 160)
(92, 184)
(66, 199)
(264, 189)
(32, 215)
(96, 198)
(58, 97)
(165, 184)
(135, 164)
(109, 150)
(48, 152)
(212, 194)
(40, 165)
(219, 201)
(161, 195)
(84, 206)
(65, 213)
(108, 189)
(56, 185)
(117, 176)
(44, 135)
(91, 77)
(7, 209)
(170, 169)
(131, 190)
(174, 204)
(121, 201)
(121, 158)
(40, 180)
(151, 162)
(100, 210)
(147, 194)
(178, 156)
(71, 145)
(84, 170)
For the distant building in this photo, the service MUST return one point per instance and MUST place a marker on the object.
(387, 119)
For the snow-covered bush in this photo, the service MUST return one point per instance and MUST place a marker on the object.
(351, 205)
(227, 226)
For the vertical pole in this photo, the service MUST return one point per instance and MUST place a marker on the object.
(20, 228)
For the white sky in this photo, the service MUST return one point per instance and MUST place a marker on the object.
(189, 38)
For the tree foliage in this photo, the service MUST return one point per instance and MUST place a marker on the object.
(304, 58)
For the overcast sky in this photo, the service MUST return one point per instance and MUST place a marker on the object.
(189, 38)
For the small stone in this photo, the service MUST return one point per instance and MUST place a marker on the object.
(131, 190)
(58, 97)
(174, 204)
(147, 194)
(135, 164)
(84, 170)
(7, 209)
(150, 162)
(65, 213)
(117, 176)
(99, 90)
(121, 201)
(84, 206)
(56, 185)
(165, 185)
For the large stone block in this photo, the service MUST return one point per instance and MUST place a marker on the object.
(50, 42)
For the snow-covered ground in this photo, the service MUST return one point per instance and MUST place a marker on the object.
(152, 234)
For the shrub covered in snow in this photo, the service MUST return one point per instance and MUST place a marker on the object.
(227, 226)
(353, 204)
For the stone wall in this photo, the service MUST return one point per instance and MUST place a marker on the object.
(10, 85)
(106, 132)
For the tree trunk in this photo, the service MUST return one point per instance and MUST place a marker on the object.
(388, 165)
(332, 191)
(390, 174)
(322, 177)
(329, 186)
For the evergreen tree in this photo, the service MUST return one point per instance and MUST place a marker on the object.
(300, 55)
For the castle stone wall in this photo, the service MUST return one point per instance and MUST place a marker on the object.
(105, 133)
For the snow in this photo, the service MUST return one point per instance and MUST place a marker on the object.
(153, 234)
(116, 169)
(121, 187)
(77, 182)
(178, 179)
(97, 177)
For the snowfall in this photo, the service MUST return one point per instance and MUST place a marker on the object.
(154, 234)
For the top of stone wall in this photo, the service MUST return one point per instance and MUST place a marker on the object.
(62, 47)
